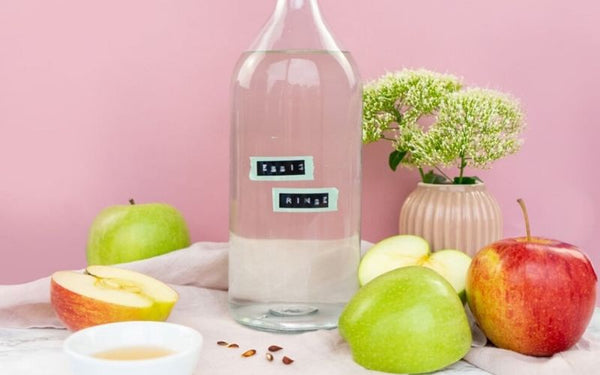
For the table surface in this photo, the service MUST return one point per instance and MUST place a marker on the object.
(39, 351)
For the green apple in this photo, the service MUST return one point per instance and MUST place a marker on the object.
(125, 233)
(409, 320)
(407, 250)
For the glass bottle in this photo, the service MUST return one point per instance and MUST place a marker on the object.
(295, 175)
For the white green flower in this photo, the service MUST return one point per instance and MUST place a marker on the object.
(468, 128)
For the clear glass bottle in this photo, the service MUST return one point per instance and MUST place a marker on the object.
(295, 175)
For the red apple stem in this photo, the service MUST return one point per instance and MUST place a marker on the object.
(131, 201)
(526, 217)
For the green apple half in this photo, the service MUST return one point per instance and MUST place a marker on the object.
(125, 233)
(407, 250)
(408, 320)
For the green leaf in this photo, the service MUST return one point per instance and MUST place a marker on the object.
(434, 178)
(395, 158)
(466, 180)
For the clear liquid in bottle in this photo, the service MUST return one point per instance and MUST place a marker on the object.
(295, 176)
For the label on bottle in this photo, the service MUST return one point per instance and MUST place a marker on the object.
(281, 168)
(305, 200)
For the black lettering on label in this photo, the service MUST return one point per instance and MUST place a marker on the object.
(303, 200)
(280, 168)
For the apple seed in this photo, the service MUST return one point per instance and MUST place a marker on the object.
(249, 353)
(287, 360)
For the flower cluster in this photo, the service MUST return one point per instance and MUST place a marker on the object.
(432, 122)
(401, 99)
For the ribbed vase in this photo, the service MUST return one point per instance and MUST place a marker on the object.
(462, 217)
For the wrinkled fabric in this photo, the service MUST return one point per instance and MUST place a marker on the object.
(199, 274)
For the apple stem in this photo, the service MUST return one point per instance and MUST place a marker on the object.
(131, 201)
(524, 209)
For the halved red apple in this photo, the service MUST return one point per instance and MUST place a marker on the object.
(104, 294)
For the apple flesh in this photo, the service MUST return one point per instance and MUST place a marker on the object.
(535, 296)
(408, 320)
(408, 250)
(125, 233)
(106, 294)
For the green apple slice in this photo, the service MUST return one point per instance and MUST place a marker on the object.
(453, 266)
(391, 253)
(407, 250)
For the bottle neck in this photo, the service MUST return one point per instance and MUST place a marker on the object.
(295, 25)
(308, 8)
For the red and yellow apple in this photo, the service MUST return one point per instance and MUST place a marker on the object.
(532, 295)
(104, 294)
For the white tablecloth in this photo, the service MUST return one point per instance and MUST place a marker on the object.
(199, 274)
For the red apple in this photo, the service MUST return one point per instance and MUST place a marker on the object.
(532, 295)
(108, 294)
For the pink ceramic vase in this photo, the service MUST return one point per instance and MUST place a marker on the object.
(463, 217)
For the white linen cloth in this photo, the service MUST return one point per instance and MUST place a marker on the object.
(199, 274)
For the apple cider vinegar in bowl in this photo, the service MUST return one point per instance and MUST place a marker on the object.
(133, 353)
(134, 348)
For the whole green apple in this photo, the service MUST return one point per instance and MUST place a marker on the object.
(124, 233)
(409, 320)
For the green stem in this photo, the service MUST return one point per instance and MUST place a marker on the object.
(462, 169)
(422, 174)
(397, 115)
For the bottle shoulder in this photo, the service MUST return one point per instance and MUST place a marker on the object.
(308, 67)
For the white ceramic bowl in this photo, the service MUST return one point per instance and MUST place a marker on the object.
(184, 342)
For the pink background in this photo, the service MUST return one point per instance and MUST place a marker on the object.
(101, 101)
